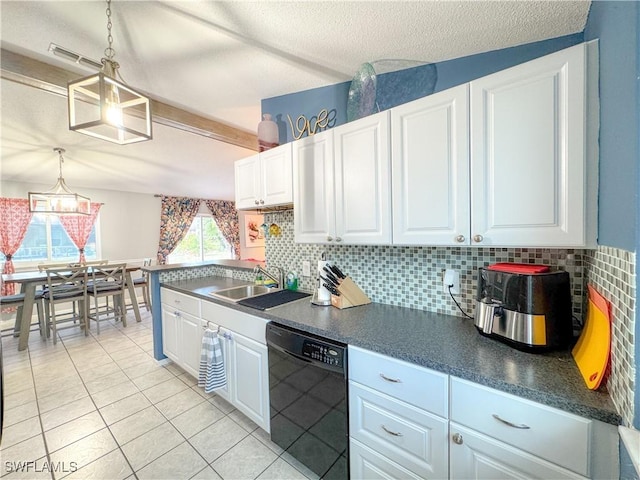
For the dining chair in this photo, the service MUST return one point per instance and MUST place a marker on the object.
(107, 281)
(17, 300)
(65, 285)
(142, 282)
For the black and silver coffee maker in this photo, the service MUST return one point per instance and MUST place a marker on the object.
(526, 306)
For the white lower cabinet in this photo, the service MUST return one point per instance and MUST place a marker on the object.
(397, 433)
(407, 421)
(243, 342)
(476, 456)
(246, 362)
(249, 378)
(181, 330)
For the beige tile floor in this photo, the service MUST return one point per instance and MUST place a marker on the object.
(100, 407)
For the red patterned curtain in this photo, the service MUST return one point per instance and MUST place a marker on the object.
(226, 216)
(14, 221)
(78, 227)
(176, 217)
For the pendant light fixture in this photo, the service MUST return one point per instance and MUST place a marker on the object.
(59, 200)
(105, 108)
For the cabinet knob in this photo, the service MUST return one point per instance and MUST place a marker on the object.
(457, 439)
(261, 202)
(329, 239)
(338, 239)
(256, 202)
(477, 238)
(460, 238)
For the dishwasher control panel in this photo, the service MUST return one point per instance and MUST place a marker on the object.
(323, 353)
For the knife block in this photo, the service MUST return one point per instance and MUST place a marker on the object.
(350, 295)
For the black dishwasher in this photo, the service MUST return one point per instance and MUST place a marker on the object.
(308, 399)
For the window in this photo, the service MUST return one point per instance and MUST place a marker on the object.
(47, 241)
(204, 241)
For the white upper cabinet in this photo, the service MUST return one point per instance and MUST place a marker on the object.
(247, 182)
(313, 188)
(342, 184)
(528, 185)
(264, 179)
(363, 181)
(430, 166)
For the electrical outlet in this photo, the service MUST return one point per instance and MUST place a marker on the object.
(306, 268)
(451, 277)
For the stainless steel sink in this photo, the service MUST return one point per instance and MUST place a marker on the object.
(235, 294)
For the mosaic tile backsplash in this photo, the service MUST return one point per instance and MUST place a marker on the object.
(612, 272)
(412, 277)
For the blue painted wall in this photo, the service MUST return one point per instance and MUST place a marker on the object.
(617, 25)
(286, 109)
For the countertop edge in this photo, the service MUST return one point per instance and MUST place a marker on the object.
(238, 264)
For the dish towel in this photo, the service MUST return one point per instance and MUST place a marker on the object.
(211, 374)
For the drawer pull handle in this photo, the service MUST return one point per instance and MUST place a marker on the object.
(521, 426)
(392, 380)
(395, 434)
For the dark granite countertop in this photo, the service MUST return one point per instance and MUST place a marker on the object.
(441, 342)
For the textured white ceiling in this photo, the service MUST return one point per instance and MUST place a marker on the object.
(220, 59)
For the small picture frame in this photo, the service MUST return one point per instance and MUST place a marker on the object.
(253, 232)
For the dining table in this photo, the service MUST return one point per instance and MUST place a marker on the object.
(29, 280)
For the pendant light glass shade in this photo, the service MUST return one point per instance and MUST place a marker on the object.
(59, 200)
(104, 108)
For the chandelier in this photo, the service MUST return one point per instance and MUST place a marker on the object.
(103, 107)
(59, 200)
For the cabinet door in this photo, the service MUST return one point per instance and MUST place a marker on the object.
(170, 333)
(527, 153)
(276, 176)
(191, 343)
(363, 181)
(247, 182)
(430, 165)
(475, 456)
(313, 189)
(250, 391)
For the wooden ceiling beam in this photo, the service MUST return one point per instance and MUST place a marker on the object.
(34, 73)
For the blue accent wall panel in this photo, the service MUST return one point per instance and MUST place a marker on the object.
(615, 24)
(462, 70)
(395, 88)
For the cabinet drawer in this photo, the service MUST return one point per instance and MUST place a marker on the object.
(180, 301)
(366, 463)
(416, 385)
(554, 435)
(405, 434)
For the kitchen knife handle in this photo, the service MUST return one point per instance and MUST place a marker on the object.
(337, 271)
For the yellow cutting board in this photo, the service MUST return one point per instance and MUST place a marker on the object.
(591, 353)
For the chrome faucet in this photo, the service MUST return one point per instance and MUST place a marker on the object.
(279, 279)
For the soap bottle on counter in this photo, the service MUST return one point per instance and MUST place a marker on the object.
(292, 281)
